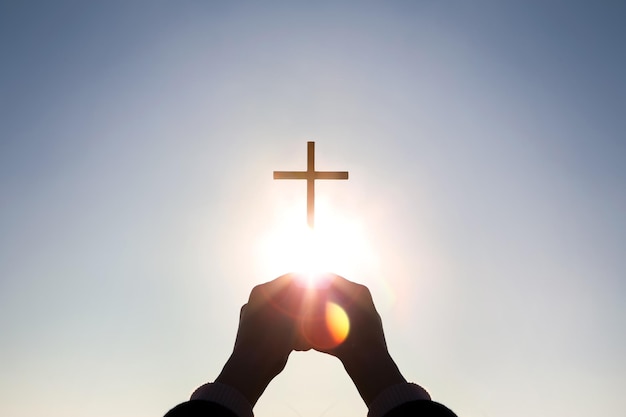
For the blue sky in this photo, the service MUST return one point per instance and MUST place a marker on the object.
(486, 151)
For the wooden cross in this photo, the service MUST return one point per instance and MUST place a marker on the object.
(310, 175)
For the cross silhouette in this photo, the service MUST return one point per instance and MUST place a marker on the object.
(310, 175)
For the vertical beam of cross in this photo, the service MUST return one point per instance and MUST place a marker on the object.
(310, 175)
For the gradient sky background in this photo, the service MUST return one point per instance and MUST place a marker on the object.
(487, 158)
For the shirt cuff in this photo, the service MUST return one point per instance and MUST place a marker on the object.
(394, 396)
(225, 396)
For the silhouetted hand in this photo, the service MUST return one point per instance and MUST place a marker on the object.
(285, 314)
(268, 332)
(363, 352)
(336, 317)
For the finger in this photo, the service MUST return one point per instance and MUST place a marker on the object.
(349, 292)
(262, 293)
(301, 344)
(286, 294)
(242, 310)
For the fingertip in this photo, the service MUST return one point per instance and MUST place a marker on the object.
(302, 349)
(287, 278)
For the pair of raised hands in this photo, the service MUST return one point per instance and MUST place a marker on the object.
(334, 316)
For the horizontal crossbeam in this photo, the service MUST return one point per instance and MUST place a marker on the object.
(310, 175)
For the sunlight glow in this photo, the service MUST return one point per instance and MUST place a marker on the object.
(338, 244)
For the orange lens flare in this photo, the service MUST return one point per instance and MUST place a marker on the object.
(326, 328)
(337, 322)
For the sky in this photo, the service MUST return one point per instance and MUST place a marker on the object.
(484, 210)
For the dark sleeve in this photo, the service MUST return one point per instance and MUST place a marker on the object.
(200, 408)
(197, 408)
(421, 408)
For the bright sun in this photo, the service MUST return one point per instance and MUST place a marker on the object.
(338, 244)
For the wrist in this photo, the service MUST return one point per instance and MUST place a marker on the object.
(226, 396)
(372, 372)
(394, 396)
(248, 373)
